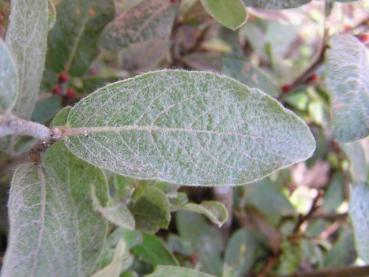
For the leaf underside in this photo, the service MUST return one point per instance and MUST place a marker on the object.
(54, 230)
(189, 128)
(347, 80)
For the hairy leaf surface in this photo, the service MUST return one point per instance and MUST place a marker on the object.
(8, 78)
(54, 230)
(190, 128)
(348, 82)
(359, 213)
(148, 20)
(27, 41)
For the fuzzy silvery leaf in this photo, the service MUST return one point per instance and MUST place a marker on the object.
(150, 19)
(348, 82)
(54, 230)
(188, 128)
(359, 213)
(27, 41)
(8, 78)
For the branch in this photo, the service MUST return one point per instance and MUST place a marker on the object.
(13, 125)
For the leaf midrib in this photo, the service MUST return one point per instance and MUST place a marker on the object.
(70, 132)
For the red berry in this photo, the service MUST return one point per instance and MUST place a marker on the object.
(63, 77)
(364, 38)
(57, 90)
(194, 259)
(71, 93)
(286, 88)
(313, 78)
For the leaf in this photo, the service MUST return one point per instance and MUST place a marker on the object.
(347, 80)
(53, 228)
(27, 41)
(240, 253)
(118, 214)
(236, 67)
(206, 240)
(215, 211)
(357, 152)
(275, 4)
(147, 20)
(150, 209)
(176, 271)
(359, 213)
(189, 128)
(46, 109)
(73, 42)
(153, 251)
(231, 14)
(343, 251)
(8, 79)
(268, 199)
(121, 261)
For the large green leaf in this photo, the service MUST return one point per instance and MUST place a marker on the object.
(27, 41)
(348, 82)
(231, 14)
(359, 213)
(149, 19)
(275, 4)
(190, 128)
(74, 38)
(54, 230)
(8, 78)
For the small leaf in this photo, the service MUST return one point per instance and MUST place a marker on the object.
(343, 251)
(147, 20)
(189, 128)
(275, 4)
(231, 14)
(121, 261)
(215, 211)
(240, 253)
(176, 271)
(8, 79)
(206, 240)
(150, 209)
(53, 228)
(359, 213)
(73, 40)
(347, 80)
(153, 251)
(236, 67)
(357, 152)
(117, 214)
(27, 41)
